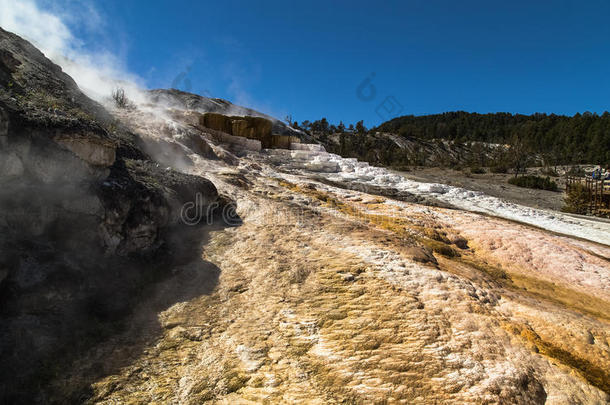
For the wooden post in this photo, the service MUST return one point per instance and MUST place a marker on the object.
(600, 196)
(598, 193)
(590, 194)
(595, 198)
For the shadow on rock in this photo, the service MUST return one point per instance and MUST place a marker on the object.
(54, 348)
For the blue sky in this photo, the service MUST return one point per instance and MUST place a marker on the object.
(308, 59)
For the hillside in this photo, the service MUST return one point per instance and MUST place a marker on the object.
(87, 221)
(460, 139)
(188, 101)
(400, 151)
(148, 256)
(583, 138)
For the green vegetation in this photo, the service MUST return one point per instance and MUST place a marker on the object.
(501, 141)
(537, 182)
(577, 200)
(583, 138)
(498, 169)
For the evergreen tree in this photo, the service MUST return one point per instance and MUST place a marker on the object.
(360, 128)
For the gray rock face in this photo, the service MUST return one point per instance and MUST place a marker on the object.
(11, 165)
(87, 220)
(54, 137)
(93, 151)
(384, 149)
(141, 199)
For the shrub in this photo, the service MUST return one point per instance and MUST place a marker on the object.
(537, 182)
(577, 200)
(120, 99)
(498, 169)
(549, 171)
(576, 171)
(477, 170)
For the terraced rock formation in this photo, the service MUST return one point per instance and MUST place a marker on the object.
(321, 279)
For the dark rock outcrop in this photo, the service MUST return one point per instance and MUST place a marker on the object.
(87, 220)
(247, 127)
(70, 144)
(257, 128)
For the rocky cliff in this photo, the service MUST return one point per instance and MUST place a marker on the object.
(188, 101)
(337, 282)
(86, 216)
(247, 127)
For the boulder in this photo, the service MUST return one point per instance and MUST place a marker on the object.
(141, 198)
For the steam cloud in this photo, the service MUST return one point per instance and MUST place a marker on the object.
(50, 25)
(96, 74)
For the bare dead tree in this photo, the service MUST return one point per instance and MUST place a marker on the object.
(120, 99)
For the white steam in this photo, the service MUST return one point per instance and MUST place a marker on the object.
(50, 25)
(97, 74)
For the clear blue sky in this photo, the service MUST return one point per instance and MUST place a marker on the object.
(308, 58)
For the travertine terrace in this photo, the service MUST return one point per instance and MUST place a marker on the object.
(331, 295)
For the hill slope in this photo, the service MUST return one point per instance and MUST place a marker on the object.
(583, 138)
(327, 281)
(188, 101)
(83, 211)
